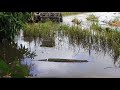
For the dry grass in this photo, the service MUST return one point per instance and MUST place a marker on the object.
(117, 23)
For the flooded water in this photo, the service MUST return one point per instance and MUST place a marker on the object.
(103, 18)
(101, 64)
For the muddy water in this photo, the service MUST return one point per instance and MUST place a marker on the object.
(99, 64)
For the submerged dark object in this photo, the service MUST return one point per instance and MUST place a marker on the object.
(43, 16)
(62, 60)
(48, 43)
(65, 60)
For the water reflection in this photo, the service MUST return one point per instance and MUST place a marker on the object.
(100, 43)
(89, 40)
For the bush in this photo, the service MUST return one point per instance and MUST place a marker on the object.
(13, 71)
(11, 23)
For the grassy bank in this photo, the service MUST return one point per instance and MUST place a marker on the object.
(11, 56)
(12, 70)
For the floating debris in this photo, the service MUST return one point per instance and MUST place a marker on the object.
(61, 60)
(108, 67)
(42, 60)
(65, 60)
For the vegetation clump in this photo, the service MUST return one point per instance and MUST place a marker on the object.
(92, 18)
(76, 21)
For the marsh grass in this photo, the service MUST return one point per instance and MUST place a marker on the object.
(107, 41)
(95, 26)
(92, 18)
(45, 29)
(96, 38)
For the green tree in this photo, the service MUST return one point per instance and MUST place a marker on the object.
(11, 23)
